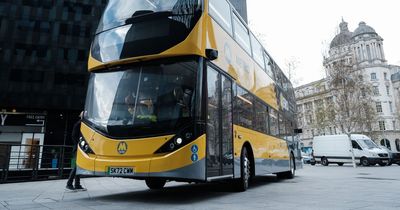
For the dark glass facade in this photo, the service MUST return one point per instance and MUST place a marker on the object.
(44, 48)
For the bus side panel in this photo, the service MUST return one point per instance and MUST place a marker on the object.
(271, 155)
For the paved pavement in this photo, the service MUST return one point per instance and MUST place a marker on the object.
(315, 187)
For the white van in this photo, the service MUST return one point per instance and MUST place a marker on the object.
(336, 149)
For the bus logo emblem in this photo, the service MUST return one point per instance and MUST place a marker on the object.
(122, 147)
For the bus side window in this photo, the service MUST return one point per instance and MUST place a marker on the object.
(260, 119)
(243, 107)
(273, 120)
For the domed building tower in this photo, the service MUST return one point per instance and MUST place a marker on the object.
(368, 45)
(340, 45)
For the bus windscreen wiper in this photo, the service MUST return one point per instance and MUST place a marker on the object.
(142, 15)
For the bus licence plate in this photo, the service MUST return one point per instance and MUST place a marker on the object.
(121, 171)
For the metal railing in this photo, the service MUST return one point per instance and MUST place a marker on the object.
(24, 162)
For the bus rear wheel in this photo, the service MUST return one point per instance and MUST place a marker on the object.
(242, 184)
(155, 184)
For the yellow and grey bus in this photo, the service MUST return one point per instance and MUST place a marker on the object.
(182, 90)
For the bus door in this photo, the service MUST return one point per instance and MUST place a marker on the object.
(219, 125)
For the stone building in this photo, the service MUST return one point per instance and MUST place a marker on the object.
(364, 49)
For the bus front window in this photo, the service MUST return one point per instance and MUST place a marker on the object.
(130, 28)
(143, 100)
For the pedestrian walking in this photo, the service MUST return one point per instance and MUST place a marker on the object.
(75, 140)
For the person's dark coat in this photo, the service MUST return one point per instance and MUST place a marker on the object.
(76, 133)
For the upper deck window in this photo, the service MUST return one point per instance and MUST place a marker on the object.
(241, 34)
(221, 12)
(257, 51)
(268, 66)
(132, 28)
(118, 11)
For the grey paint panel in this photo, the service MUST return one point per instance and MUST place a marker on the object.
(264, 166)
(195, 171)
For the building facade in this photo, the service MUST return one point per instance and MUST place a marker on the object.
(364, 49)
(44, 47)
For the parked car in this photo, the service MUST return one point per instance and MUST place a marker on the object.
(337, 149)
(306, 158)
(394, 157)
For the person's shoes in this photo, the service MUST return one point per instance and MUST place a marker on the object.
(80, 188)
(70, 187)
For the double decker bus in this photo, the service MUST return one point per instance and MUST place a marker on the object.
(182, 90)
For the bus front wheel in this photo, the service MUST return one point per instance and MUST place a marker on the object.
(245, 171)
(155, 184)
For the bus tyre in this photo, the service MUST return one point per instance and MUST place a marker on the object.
(364, 161)
(324, 161)
(155, 184)
(242, 184)
(288, 174)
(340, 164)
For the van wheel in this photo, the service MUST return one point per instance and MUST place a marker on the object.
(242, 184)
(155, 184)
(364, 161)
(340, 164)
(324, 161)
(291, 173)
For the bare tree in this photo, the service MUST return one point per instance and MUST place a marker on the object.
(351, 109)
(291, 66)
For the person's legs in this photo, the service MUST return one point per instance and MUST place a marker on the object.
(71, 177)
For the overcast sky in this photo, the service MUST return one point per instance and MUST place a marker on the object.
(303, 30)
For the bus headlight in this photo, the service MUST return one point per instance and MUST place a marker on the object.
(178, 141)
(85, 146)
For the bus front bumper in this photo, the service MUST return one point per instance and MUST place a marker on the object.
(177, 165)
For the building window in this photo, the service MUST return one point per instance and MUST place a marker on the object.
(379, 107)
(375, 89)
(309, 119)
(308, 106)
(390, 107)
(397, 145)
(373, 76)
(382, 126)
(299, 108)
(394, 125)
(388, 90)
(385, 76)
(386, 143)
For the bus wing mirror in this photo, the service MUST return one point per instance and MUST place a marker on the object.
(212, 54)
